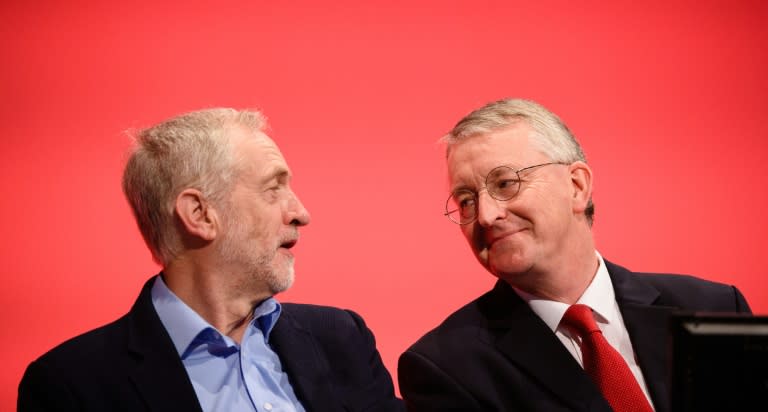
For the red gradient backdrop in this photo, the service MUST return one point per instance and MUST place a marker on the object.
(669, 99)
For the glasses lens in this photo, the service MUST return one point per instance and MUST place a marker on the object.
(503, 183)
(461, 207)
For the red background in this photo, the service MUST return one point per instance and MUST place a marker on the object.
(667, 97)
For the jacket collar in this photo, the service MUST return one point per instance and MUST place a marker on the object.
(157, 371)
(162, 381)
(538, 351)
(301, 358)
(647, 324)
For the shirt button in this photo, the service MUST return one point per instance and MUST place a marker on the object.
(268, 406)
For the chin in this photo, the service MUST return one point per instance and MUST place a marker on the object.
(508, 267)
(282, 281)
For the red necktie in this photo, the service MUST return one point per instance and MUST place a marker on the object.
(604, 364)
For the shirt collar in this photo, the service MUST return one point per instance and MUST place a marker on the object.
(599, 296)
(266, 314)
(184, 324)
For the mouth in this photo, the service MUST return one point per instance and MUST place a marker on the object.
(289, 243)
(490, 240)
(285, 247)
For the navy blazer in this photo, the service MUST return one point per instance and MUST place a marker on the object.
(131, 364)
(496, 354)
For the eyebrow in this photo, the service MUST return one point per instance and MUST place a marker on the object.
(467, 188)
(277, 173)
(461, 188)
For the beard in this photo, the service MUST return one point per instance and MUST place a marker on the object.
(257, 266)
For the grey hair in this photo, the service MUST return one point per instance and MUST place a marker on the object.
(550, 134)
(192, 150)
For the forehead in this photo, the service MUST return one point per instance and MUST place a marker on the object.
(258, 155)
(471, 159)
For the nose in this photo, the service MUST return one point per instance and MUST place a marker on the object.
(489, 209)
(296, 213)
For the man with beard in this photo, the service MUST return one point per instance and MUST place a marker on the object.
(563, 329)
(211, 194)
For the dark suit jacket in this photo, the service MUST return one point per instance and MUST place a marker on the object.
(131, 365)
(496, 354)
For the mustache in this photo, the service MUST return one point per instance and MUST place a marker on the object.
(290, 240)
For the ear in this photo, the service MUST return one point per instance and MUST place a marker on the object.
(581, 182)
(197, 216)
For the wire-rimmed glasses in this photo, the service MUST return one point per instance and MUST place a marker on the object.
(502, 183)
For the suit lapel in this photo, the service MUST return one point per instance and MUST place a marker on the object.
(645, 323)
(157, 371)
(537, 350)
(309, 372)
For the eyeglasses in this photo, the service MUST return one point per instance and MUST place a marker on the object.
(502, 183)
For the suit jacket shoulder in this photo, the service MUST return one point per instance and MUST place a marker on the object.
(681, 292)
(647, 300)
(127, 365)
(131, 365)
(331, 358)
(496, 354)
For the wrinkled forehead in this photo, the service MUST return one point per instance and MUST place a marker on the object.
(510, 145)
(257, 154)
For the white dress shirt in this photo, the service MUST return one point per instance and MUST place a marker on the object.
(600, 297)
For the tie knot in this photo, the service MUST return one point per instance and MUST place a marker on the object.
(579, 317)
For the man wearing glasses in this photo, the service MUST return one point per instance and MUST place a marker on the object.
(563, 329)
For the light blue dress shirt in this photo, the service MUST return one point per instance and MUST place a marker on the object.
(228, 377)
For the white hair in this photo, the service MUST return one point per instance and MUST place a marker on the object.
(192, 150)
(550, 135)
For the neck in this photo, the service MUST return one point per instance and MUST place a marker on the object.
(226, 306)
(562, 278)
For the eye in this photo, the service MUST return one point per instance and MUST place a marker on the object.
(503, 182)
(277, 183)
(506, 183)
(504, 189)
(464, 200)
(502, 186)
(272, 192)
